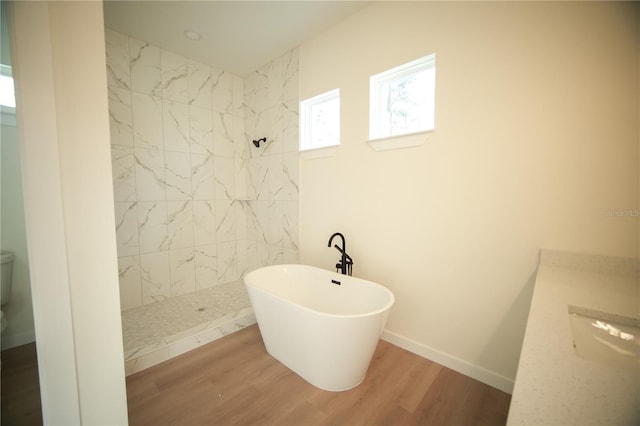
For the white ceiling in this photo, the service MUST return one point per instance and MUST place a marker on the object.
(237, 36)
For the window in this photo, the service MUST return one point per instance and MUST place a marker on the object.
(7, 94)
(403, 99)
(320, 121)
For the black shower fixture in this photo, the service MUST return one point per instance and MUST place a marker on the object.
(257, 142)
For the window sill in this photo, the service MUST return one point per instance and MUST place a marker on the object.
(401, 141)
(312, 154)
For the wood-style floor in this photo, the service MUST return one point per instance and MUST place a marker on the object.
(20, 387)
(233, 381)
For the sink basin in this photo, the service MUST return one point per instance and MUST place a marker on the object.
(606, 338)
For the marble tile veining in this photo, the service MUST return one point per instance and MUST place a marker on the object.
(223, 144)
(152, 226)
(144, 62)
(200, 130)
(175, 120)
(206, 266)
(199, 84)
(227, 261)
(197, 204)
(117, 51)
(174, 77)
(180, 224)
(291, 225)
(120, 116)
(150, 174)
(123, 169)
(224, 178)
(183, 271)
(178, 175)
(222, 91)
(202, 177)
(154, 274)
(126, 228)
(204, 223)
(225, 221)
(290, 180)
(147, 121)
(130, 284)
(290, 127)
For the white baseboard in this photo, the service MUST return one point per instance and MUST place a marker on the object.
(483, 375)
(15, 340)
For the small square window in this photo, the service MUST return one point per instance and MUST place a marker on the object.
(320, 121)
(7, 94)
(403, 99)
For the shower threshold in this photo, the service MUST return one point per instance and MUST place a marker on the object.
(161, 330)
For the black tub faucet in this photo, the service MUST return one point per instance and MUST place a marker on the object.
(345, 266)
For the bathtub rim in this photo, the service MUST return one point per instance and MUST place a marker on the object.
(386, 308)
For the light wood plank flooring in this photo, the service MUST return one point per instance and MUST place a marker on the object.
(233, 381)
(20, 387)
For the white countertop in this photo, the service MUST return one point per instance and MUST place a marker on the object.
(553, 385)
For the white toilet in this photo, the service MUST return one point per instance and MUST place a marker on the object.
(5, 284)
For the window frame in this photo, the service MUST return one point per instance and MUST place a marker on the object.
(7, 75)
(377, 81)
(306, 122)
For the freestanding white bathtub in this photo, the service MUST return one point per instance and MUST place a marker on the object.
(324, 331)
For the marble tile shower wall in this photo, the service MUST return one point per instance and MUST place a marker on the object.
(271, 110)
(195, 205)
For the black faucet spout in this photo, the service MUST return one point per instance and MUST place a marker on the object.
(346, 262)
(337, 234)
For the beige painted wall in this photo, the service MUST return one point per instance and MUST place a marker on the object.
(63, 129)
(536, 139)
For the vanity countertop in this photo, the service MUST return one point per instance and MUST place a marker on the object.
(554, 385)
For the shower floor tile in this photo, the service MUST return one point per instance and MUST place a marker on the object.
(156, 332)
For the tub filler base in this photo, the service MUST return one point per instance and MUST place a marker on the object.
(324, 332)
